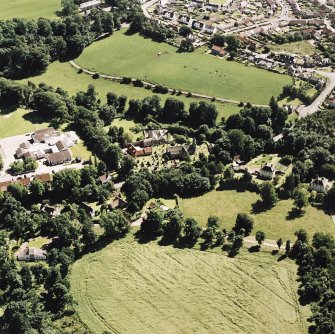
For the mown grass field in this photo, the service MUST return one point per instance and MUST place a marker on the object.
(28, 9)
(20, 121)
(198, 72)
(299, 48)
(65, 76)
(275, 222)
(143, 288)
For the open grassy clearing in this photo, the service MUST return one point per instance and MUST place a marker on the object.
(80, 150)
(19, 122)
(275, 222)
(28, 9)
(299, 48)
(132, 288)
(137, 57)
(39, 242)
(65, 76)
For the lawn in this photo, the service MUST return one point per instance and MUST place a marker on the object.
(28, 9)
(19, 122)
(143, 288)
(80, 150)
(65, 76)
(275, 222)
(39, 242)
(198, 72)
(299, 48)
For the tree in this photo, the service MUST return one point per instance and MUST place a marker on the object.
(213, 221)
(191, 233)
(260, 237)
(279, 243)
(173, 227)
(153, 224)
(287, 247)
(300, 196)
(268, 194)
(115, 224)
(245, 222)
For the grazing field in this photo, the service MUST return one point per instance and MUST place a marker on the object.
(28, 9)
(19, 122)
(198, 72)
(144, 288)
(276, 223)
(65, 76)
(299, 48)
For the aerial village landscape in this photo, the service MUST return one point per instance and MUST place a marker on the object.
(167, 166)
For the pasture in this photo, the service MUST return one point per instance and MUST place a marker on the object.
(143, 288)
(28, 9)
(197, 71)
(65, 76)
(276, 223)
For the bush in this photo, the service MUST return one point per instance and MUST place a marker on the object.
(126, 80)
(96, 76)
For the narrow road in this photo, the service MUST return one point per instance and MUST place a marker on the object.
(314, 107)
(147, 5)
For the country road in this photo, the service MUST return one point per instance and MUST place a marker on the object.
(147, 5)
(314, 107)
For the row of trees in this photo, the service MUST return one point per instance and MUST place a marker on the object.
(173, 111)
(317, 280)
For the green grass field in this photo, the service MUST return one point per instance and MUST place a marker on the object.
(28, 9)
(132, 288)
(299, 48)
(275, 223)
(198, 72)
(65, 76)
(19, 122)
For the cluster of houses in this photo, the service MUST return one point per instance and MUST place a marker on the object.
(45, 178)
(152, 138)
(48, 144)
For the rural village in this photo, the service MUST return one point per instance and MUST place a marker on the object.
(167, 166)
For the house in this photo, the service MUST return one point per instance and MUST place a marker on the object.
(169, 15)
(61, 146)
(212, 7)
(25, 145)
(24, 182)
(46, 177)
(267, 172)
(184, 19)
(40, 136)
(19, 152)
(209, 29)
(218, 51)
(4, 185)
(89, 5)
(30, 254)
(198, 25)
(154, 137)
(104, 178)
(137, 151)
(53, 211)
(58, 158)
(320, 184)
(197, 3)
(117, 203)
(87, 208)
(332, 103)
(181, 152)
